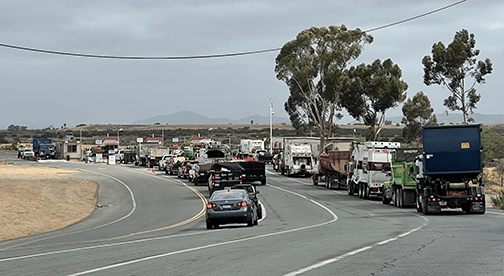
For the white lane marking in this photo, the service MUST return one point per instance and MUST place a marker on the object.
(337, 258)
(335, 218)
(93, 228)
(326, 262)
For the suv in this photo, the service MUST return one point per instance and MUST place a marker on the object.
(252, 191)
(164, 163)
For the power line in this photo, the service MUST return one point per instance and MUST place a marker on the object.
(215, 55)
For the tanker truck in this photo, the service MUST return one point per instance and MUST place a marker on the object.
(447, 175)
(331, 169)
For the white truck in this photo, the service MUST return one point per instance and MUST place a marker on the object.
(150, 151)
(249, 146)
(372, 162)
(297, 160)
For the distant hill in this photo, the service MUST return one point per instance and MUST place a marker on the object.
(189, 117)
(457, 118)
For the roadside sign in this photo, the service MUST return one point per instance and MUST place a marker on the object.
(174, 140)
(175, 145)
(97, 142)
(139, 140)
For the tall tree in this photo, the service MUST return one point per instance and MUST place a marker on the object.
(370, 90)
(452, 66)
(417, 113)
(312, 67)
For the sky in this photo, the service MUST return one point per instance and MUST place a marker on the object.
(41, 89)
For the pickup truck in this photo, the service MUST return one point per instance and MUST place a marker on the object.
(253, 171)
(224, 174)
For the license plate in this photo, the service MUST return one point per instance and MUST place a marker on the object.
(226, 206)
(443, 203)
(217, 184)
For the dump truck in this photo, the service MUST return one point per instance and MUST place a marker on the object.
(150, 151)
(331, 169)
(400, 189)
(44, 148)
(372, 161)
(447, 174)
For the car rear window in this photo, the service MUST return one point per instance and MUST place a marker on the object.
(227, 195)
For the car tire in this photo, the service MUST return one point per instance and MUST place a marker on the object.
(209, 225)
(250, 223)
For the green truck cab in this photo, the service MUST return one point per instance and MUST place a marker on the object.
(401, 188)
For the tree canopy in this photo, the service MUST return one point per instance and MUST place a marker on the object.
(312, 66)
(417, 113)
(370, 90)
(451, 66)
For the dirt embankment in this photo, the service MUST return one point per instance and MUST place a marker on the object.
(35, 200)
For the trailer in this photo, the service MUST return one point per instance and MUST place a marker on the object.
(331, 169)
(447, 174)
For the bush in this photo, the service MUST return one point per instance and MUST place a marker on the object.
(498, 201)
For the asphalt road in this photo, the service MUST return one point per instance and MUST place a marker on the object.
(153, 224)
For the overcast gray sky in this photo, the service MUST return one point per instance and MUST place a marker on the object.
(44, 89)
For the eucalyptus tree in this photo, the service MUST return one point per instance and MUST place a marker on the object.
(370, 90)
(453, 66)
(417, 112)
(312, 66)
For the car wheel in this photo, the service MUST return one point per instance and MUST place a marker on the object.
(256, 222)
(209, 225)
(251, 222)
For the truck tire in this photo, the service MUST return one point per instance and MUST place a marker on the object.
(263, 182)
(400, 198)
(384, 199)
(424, 206)
(418, 205)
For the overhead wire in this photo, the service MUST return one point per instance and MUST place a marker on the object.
(213, 55)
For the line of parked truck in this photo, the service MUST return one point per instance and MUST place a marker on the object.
(444, 173)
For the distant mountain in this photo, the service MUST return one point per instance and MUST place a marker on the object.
(189, 117)
(457, 118)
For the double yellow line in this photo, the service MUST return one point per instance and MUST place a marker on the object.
(195, 217)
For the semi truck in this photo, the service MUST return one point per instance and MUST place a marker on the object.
(400, 189)
(43, 147)
(297, 160)
(447, 174)
(331, 169)
(371, 163)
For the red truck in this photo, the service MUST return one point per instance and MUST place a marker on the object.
(332, 169)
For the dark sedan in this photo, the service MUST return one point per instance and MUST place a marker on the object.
(230, 206)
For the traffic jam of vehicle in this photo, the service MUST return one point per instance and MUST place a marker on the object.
(439, 175)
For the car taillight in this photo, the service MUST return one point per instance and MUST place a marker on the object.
(213, 177)
(211, 205)
(478, 199)
(242, 204)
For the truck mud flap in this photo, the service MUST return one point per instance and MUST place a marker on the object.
(433, 207)
(477, 207)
